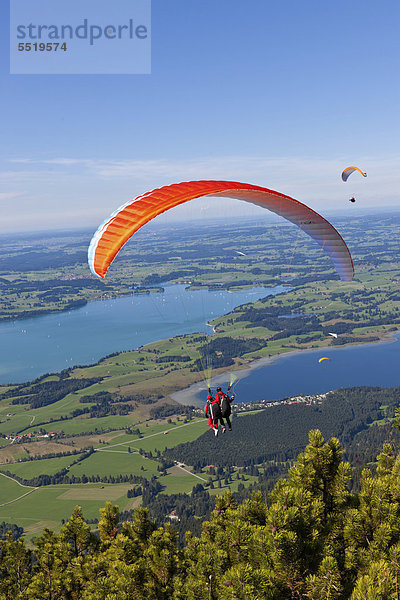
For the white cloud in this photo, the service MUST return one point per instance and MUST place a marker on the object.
(72, 192)
(6, 196)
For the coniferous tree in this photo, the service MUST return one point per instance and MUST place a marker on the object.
(15, 568)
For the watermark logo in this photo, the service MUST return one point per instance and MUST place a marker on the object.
(80, 37)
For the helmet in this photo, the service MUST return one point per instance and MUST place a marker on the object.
(219, 389)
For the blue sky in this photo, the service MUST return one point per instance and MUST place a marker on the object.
(281, 94)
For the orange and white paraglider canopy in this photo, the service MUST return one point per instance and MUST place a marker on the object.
(129, 218)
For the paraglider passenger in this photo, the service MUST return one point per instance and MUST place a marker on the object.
(213, 412)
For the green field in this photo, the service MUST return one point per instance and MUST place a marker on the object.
(10, 490)
(113, 462)
(47, 506)
(181, 483)
(83, 425)
(159, 437)
(46, 466)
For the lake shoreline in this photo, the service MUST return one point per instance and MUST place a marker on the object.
(186, 397)
(46, 344)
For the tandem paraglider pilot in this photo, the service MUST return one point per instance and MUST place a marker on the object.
(217, 409)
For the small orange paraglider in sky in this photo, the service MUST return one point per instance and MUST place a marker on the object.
(349, 170)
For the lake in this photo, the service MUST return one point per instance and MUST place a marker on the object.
(51, 343)
(300, 373)
(32, 347)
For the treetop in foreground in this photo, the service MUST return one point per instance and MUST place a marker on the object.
(311, 538)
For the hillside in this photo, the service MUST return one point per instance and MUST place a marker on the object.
(312, 539)
(96, 432)
(278, 433)
(143, 465)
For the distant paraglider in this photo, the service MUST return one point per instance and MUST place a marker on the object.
(349, 170)
(346, 174)
(333, 334)
(323, 358)
(129, 218)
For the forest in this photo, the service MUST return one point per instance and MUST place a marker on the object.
(48, 392)
(8, 528)
(345, 413)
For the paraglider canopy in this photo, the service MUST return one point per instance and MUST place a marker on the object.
(129, 218)
(349, 170)
(323, 358)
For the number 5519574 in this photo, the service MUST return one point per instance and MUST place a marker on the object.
(41, 47)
